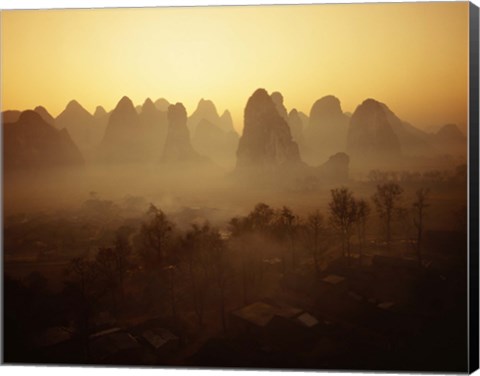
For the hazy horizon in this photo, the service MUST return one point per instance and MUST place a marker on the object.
(183, 56)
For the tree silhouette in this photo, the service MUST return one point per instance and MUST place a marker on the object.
(156, 234)
(343, 214)
(194, 246)
(247, 235)
(216, 260)
(260, 219)
(317, 234)
(386, 200)
(286, 226)
(123, 251)
(363, 212)
(84, 280)
(419, 207)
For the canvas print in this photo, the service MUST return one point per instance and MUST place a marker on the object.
(240, 186)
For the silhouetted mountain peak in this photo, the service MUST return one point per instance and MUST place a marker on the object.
(371, 103)
(32, 143)
(277, 99)
(125, 104)
(148, 106)
(42, 111)
(177, 113)
(259, 96)
(327, 129)
(326, 106)
(73, 104)
(336, 168)
(450, 130)
(205, 110)
(206, 106)
(178, 148)
(73, 110)
(10, 116)
(226, 115)
(74, 107)
(99, 112)
(266, 141)
(369, 107)
(371, 135)
(30, 117)
(162, 104)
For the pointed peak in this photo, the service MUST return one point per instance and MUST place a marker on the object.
(42, 111)
(206, 105)
(75, 108)
(99, 111)
(227, 117)
(148, 102)
(125, 103)
(74, 105)
(148, 106)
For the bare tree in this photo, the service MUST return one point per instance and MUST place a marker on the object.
(108, 281)
(194, 246)
(286, 225)
(156, 234)
(363, 212)
(343, 214)
(419, 207)
(84, 276)
(247, 233)
(217, 262)
(386, 200)
(318, 237)
(260, 219)
(123, 251)
(239, 228)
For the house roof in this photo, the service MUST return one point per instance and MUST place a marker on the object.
(386, 305)
(260, 313)
(112, 343)
(158, 337)
(333, 279)
(307, 320)
(52, 336)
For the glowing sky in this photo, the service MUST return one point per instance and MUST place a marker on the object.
(411, 56)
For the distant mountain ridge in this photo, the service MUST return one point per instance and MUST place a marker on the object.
(273, 136)
(82, 127)
(32, 144)
(212, 135)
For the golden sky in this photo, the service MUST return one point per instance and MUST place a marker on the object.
(411, 56)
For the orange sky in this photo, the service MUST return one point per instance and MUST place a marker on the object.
(412, 56)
